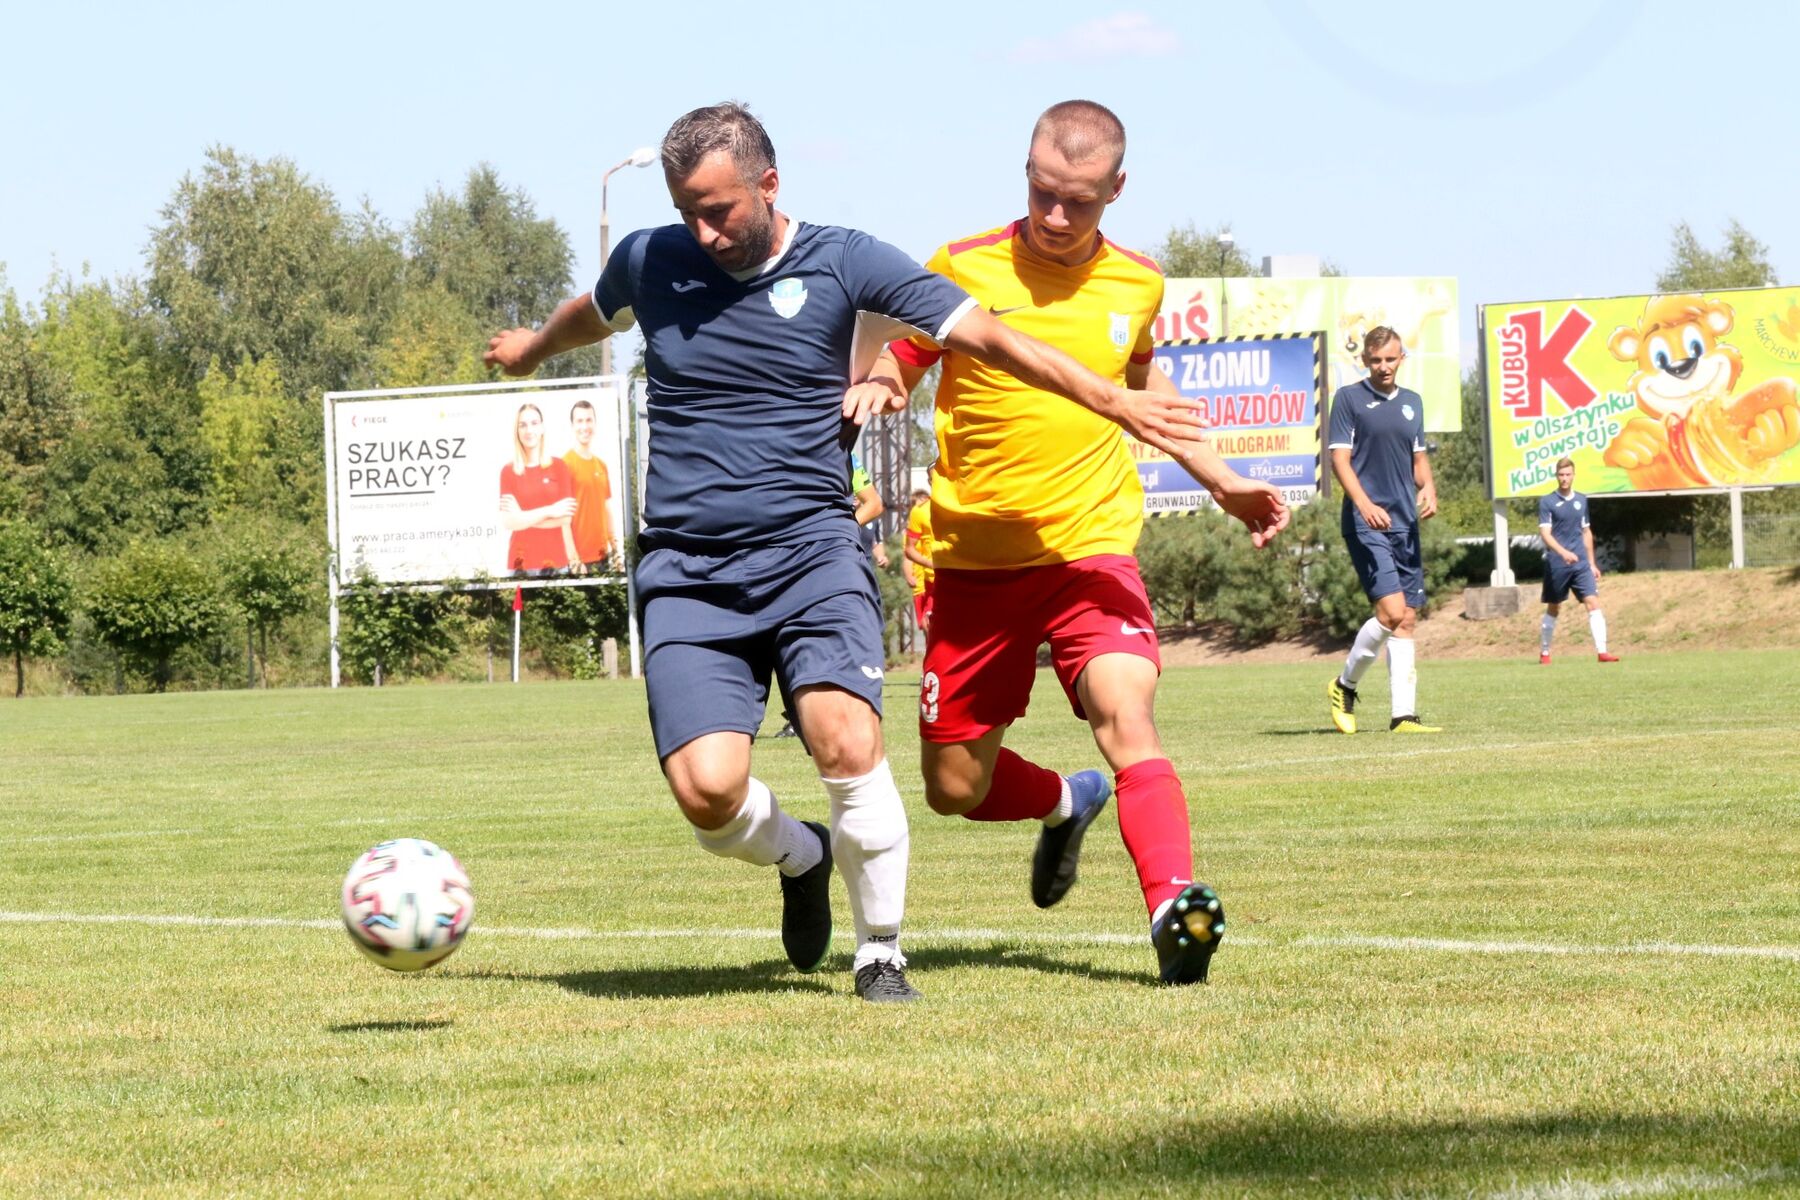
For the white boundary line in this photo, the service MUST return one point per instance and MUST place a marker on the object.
(949, 934)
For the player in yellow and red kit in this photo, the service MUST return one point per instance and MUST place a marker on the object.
(1036, 508)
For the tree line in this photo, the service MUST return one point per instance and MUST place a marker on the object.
(162, 503)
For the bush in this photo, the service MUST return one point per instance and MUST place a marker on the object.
(393, 632)
(1203, 567)
(37, 597)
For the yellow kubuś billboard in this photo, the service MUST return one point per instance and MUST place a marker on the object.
(1645, 393)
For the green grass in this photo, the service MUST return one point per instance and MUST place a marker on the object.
(1608, 813)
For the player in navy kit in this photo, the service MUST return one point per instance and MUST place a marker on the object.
(1569, 563)
(751, 564)
(1377, 446)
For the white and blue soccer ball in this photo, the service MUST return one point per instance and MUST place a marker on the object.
(407, 904)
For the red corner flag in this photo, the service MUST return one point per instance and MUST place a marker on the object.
(518, 599)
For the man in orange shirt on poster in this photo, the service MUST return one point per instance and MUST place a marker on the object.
(596, 548)
(1036, 507)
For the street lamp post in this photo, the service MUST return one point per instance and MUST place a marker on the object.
(641, 157)
(1225, 244)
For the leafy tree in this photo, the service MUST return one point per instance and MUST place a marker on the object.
(270, 570)
(433, 339)
(488, 248)
(149, 602)
(126, 388)
(104, 487)
(34, 411)
(37, 597)
(239, 414)
(1742, 261)
(253, 259)
(1190, 252)
(396, 630)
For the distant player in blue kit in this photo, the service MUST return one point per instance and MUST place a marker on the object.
(1377, 446)
(1569, 562)
(751, 561)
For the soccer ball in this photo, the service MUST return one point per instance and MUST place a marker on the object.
(407, 904)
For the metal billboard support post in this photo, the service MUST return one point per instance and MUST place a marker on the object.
(1737, 529)
(518, 615)
(331, 590)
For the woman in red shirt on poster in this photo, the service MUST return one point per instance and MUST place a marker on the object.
(537, 502)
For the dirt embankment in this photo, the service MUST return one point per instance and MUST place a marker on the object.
(1645, 611)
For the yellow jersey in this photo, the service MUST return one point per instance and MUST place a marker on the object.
(918, 537)
(1023, 477)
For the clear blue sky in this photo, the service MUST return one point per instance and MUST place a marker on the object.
(1532, 148)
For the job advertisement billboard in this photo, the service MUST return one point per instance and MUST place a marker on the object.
(506, 482)
(1653, 393)
(1260, 398)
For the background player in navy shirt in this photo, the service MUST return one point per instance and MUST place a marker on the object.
(1569, 562)
(1377, 448)
(751, 560)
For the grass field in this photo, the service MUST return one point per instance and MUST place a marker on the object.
(1552, 953)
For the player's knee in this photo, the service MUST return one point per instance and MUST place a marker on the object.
(1409, 621)
(1127, 737)
(953, 793)
(708, 794)
(847, 750)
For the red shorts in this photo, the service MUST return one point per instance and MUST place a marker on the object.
(922, 606)
(981, 657)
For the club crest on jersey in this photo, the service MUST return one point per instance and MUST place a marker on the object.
(1406, 411)
(1121, 329)
(788, 296)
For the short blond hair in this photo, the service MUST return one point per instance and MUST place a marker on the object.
(1565, 461)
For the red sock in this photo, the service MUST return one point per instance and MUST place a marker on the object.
(1153, 819)
(1021, 791)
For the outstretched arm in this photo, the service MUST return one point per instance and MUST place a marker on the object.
(1258, 505)
(575, 323)
(1153, 418)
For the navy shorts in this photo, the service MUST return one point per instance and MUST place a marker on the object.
(1560, 579)
(717, 627)
(1386, 560)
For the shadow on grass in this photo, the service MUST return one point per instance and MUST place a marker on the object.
(1010, 956)
(775, 975)
(1326, 731)
(1672, 1154)
(423, 1023)
(772, 975)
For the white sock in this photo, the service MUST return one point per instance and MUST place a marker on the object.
(761, 833)
(1546, 631)
(1365, 650)
(1065, 807)
(870, 843)
(1403, 679)
(1597, 625)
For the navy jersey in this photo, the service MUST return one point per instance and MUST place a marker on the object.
(1382, 435)
(1566, 517)
(747, 377)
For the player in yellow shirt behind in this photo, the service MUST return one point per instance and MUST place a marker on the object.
(1036, 507)
(916, 563)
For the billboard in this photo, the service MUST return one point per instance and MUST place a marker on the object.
(1261, 399)
(1646, 393)
(516, 482)
(1421, 309)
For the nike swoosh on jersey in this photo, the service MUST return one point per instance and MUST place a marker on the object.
(1126, 627)
(689, 286)
(1001, 312)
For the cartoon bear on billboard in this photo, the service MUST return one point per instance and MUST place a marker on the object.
(1694, 431)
